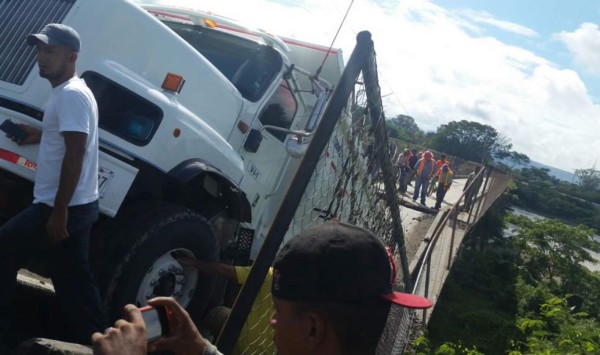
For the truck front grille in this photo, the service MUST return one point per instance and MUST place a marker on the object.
(18, 18)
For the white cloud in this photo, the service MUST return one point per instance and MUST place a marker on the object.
(584, 45)
(436, 66)
(486, 18)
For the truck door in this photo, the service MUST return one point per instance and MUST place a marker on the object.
(266, 167)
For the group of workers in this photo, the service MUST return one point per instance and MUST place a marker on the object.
(424, 169)
(430, 175)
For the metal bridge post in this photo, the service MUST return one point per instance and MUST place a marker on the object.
(454, 213)
(378, 123)
(485, 184)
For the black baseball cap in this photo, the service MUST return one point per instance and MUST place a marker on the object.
(337, 262)
(55, 34)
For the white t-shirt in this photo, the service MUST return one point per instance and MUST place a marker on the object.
(71, 108)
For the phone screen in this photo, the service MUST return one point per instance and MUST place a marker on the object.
(156, 322)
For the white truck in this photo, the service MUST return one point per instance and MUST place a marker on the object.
(202, 122)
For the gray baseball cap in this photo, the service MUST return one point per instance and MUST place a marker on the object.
(55, 34)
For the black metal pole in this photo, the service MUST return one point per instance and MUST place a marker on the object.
(485, 184)
(287, 209)
(378, 122)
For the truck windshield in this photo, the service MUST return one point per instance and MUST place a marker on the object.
(251, 67)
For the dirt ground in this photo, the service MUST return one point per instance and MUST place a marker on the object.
(414, 237)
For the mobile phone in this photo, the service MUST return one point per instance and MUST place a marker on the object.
(157, 322)
(13, 130)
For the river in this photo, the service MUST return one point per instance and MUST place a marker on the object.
(510, 229)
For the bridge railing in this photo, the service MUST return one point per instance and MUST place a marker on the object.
(434, 263)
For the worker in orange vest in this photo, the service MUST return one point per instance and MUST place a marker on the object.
(425, 170)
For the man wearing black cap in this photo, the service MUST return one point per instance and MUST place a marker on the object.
(56, 226)
(332, 291)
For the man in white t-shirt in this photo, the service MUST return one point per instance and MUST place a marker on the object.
(56, 227)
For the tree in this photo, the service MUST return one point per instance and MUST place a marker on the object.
(470, 140)
(537, 190)
(408, 128)
(556, 330)
(588, 178)
(553, 252)
(517, 159)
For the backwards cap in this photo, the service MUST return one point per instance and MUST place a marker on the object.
(336, 262)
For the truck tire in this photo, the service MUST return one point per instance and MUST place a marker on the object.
(139, 259)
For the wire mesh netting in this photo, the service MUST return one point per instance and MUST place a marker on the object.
(348, 184)
(356, 182)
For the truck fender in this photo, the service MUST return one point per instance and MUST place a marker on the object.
(191, 169)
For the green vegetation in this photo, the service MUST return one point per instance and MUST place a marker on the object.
(470, 140)
(589, 179)
(536, 190)
(404, 128)
(467, 140)
(509, 295)
(529, 293)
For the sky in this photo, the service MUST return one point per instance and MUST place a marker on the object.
(530, 69)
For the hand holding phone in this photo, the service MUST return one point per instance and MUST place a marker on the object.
(183, 337)
(157, 322)
(127, 336)
(13, 130)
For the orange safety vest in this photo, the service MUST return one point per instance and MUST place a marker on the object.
(439, 164)
(422, 166)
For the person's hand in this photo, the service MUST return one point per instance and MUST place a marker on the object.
(186, 260)
(127, 337)
(34, 135)
(56, 227)
(183, 338)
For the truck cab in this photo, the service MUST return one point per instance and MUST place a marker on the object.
(202, 124)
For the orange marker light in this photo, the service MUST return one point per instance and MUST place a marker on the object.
(176, 132)
(210, 23)
(243, 126)
(173, 83)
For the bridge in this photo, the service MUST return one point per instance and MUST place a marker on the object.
(348, 173)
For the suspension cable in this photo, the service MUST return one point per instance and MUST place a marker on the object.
(334, 38)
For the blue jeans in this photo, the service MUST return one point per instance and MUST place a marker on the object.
(439, 196)
(421, 183)
(24, 236)
(404, 179)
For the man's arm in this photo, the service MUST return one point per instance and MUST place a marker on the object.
(70, 171)
(212, 268)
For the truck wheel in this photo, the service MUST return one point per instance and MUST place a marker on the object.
(145, 266)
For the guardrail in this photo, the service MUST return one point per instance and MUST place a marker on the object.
(433, 265)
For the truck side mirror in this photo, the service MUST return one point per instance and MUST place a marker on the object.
(316, 115)
(296, 147)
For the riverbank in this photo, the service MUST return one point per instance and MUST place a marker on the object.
(510, 230)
